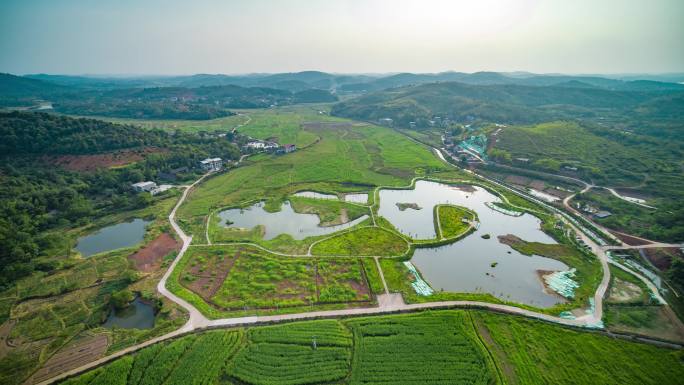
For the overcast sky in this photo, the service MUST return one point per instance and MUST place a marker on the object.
(347, 36)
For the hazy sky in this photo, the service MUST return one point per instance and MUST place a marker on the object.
(205, 36)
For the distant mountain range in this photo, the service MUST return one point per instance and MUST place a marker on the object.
(299, 81)
(506, 97)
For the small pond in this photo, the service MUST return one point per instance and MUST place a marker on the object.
(285, 221)
(317, 195)
(357, 198)
(138, 315)
(113, 237)
(466, 265)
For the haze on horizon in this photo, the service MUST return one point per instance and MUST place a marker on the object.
(350, 36)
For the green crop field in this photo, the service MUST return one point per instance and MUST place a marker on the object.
(438, 348)
(532, 352)
(432, 347)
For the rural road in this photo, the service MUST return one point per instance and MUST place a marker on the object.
(387, 303)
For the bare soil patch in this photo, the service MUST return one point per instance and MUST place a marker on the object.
(72, 356)
(662, 257)
(631, 241)
(210, 276)
(105, 160)
(624, 292)
(557, 193)
(149, 258)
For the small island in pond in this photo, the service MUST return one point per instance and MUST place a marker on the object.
(404, 206)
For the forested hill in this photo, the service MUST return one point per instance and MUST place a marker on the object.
(506, 103)
(42, 134)
(40, 201)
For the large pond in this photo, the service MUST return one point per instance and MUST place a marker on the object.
(285, 221)
(113, 237)
(466, 265)
(138, 315)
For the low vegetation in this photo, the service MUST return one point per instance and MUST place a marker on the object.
(454, 220)
(431, 347)
(240, 277)
(364, 241)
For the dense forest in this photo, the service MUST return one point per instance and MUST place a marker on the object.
(37, 197)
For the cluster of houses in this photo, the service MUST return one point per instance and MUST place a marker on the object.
(209, 164)
(472, 150)
(256, 145)
(593, 211)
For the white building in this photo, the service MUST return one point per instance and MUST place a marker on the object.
(144, 186)
(211, 164)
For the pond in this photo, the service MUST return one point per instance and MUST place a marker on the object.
(138, 315)
(113, 237)
(316, 195)
(466, 265)
(357, 198)
(285, 221)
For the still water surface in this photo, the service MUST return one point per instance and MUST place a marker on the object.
(113, 237)
(465, 266)
(285, 221)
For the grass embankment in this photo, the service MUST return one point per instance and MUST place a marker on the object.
(448, 346)
(364, 241)
(451, 220)
(226, 281)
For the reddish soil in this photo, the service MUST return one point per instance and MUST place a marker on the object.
(662, 257)
(538, 185)
(509, 239)
(106, 160)
(210, 280)
(149, 258)
(629, 239)
(517, 179)
(76, 354)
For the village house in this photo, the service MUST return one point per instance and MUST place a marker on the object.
(211, 164)
(144, 186)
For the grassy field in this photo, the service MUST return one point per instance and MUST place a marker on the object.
(348, 157)
(221, 124)
(451, 219)
(432, 347)
(241, 277)
(364, 241)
